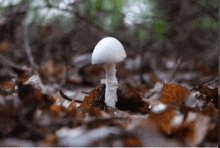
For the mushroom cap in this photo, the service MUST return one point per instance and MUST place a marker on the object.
(108, 50)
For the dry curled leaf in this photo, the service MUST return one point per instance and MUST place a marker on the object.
(210, 110)
(174, 94)
(89, 100)
(161, 116)
(211, 95)
(8, 84)
(132, 141)
(32, 96)
(129, 99)
(154, 77)
(4, 44)
(51, 70)
(72, 106)
(7, 119)
(50, 140)
(56, 109)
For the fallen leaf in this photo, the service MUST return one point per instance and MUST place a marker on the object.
(210, 110)
(33, 96)
(129, 99)
(210, 94)
(56, 109)
(89, 100)
(161, 116)
(4, 44)
(153, 77)
(8, 84)
(131, 141)
(50, 140)
(213, 134)
(72, 106)
(174, 94)
(51, 70)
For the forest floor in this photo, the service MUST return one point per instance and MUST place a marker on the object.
(53, 106)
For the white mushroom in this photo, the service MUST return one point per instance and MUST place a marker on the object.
(109, 51)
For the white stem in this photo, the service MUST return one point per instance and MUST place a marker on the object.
(111, 85)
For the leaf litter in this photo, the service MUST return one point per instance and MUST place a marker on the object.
(167, 115)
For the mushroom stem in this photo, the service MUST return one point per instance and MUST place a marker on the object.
(111, 85)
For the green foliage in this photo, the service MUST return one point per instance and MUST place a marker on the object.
(159, 26)
(139, 19)
(96, 6)
(46, 12)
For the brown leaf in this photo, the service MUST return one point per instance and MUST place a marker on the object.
(8, 84)
(53, 70)
(89, 100)
(32, 96)
(7, 119)
(4, 44)
(8, 87)
(129, 99)
(72, 106)
(154, 77)
(23, 78)
(210, 110)
(174, 94)
(213, 134)
(94, 111)
(132, 141)
(56, 109)
(160, 116)
(50, 140)
(211, 94)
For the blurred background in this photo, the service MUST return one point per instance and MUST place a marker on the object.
(158, 37)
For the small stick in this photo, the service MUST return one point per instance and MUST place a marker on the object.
(67, 98)
(28, 48)
(175, 69)
(85, 92)
(64, 96)
(30, 57)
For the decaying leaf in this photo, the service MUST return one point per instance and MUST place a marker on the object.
(4, 44)
(89, 100)
(72, 106)
(161, 116)
(131, 141)
(210, 110)
(32, 96)
(153, 77)
(174, 94)
(57, 110)
(129, 99)
(210, 94)
(50, 140)
(8, 84)
(51, 70)
(7, 119)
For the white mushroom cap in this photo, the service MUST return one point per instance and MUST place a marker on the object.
(108, 50)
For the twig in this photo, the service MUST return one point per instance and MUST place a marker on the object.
(63, 81)
(85, 92)
(7, 62)
(64, 96)
(67, 98)
(105, 119)
(30, 57)
(211, 81)
(175, 69)
(28, 48)
(153, 66)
